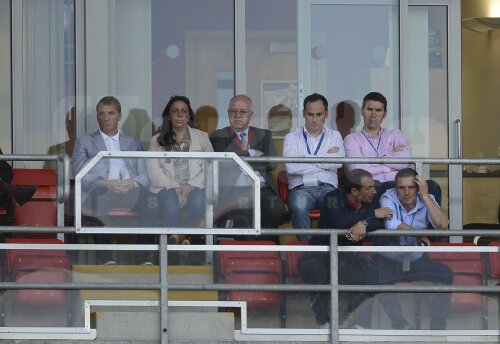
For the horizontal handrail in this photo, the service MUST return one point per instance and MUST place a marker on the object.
(257, 287)
(264, 231)
(380, 160)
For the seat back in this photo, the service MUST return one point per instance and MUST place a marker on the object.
(42, 214)
(256, 300)
(41, 210)
(282, 180)
(251, 267)
(451, 256)
(225, 256)
(292, 258)
(23, 263)
(468, 270)
(42, 297)
(283, 185)
(11, 254)
(253, 264)
(45, 179)
(494, 258)
(38, 266)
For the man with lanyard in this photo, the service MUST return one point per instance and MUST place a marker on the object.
(413, 208)
(245, 140)
(354, 207)
(310, 182)
(373, 141)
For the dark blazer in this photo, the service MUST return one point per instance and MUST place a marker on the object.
(337, 213)
(259, 139)
(6, 173)
(88, 146)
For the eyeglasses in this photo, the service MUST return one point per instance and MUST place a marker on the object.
(241, 112)
(176, 111)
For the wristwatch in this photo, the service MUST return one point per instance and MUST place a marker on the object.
(348, 236)
(365, 223)
(136, 184)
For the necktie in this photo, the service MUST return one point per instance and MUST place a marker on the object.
(244, 141)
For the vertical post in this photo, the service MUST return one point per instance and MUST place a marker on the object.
(163, 289)
(419, 167)
(209, 210)
(334, 291)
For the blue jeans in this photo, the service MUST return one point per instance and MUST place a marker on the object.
(188, 216)
(304, 199)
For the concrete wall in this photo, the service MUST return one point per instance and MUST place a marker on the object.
(480, 84)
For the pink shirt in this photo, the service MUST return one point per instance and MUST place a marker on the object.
(360, 144)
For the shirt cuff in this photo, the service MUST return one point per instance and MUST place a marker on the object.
(251, 152)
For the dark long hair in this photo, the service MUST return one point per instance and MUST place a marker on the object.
(167, 136)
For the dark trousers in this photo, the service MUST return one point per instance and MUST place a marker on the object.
(354, 268)
(236, 204)
(422, 269)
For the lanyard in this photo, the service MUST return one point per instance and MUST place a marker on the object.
(319, 144)
(379, 140)
(412, 218)
(238, 141)
(405, 238)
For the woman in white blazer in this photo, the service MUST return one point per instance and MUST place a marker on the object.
(179, 183)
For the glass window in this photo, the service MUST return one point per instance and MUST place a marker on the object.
(426, 124)
(5, 70)
(354, 50)
(193, 55)
(271, 63)
(48, 84)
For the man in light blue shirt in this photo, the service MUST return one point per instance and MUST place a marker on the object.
(413, 208)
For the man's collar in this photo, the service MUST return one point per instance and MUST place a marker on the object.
(380, 130)
(115, 137)
(238, 132)
(309, 134)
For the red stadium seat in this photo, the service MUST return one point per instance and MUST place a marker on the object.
(251, 267)
(255, 299)
(35, 262)
(41, 297)
(12, 254)
(468, 270)
(494, 259)
(283, 191)
(292, 259)
(41, 210)
(38, 266)
(224, 256)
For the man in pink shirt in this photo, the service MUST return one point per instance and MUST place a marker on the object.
(374, 141)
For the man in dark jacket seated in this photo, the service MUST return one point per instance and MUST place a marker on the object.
(20, 195)
(354, 207)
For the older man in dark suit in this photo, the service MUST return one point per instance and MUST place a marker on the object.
(112, 182)
(245, 140)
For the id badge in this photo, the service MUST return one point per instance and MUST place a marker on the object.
(406, 264)
(310, 181)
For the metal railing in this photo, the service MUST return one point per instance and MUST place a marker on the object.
(334, 288)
